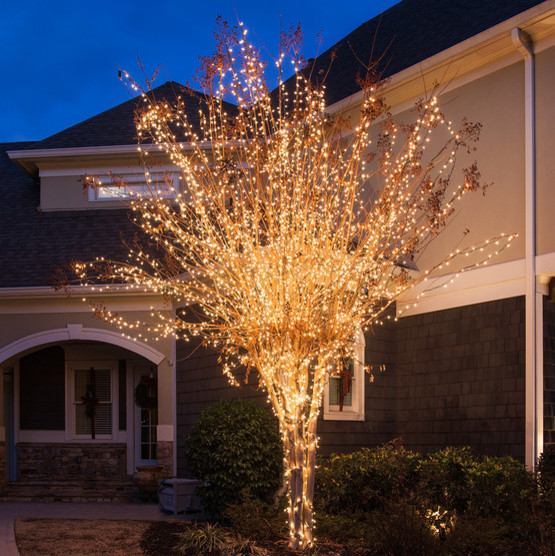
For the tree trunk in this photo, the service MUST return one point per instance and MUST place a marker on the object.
(301, 458)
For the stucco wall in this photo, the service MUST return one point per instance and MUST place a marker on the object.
(545, 144)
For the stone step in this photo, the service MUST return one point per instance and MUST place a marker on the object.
(72, 491)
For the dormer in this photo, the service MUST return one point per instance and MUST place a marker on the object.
(102, 144)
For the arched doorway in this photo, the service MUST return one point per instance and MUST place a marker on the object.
(76, 420)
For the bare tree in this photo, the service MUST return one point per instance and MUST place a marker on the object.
(285, 234)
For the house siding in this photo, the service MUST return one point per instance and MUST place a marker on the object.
(461, 378)
(452, 378)
(549, 372)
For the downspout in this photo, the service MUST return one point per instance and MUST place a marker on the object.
(533, 299)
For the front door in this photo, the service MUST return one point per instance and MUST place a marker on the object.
(146, 415)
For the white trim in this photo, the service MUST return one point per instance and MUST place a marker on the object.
(105, 170)
(91, 334)
(173, 368)
(57, 437)
(356, 411)
(165, 433)
(95, 151)
(488, 283)
(545, 264)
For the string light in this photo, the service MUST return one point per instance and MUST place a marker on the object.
(284, 236)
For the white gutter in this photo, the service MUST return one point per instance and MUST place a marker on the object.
(95, 151)
(533, 298)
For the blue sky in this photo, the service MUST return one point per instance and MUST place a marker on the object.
(60, 58)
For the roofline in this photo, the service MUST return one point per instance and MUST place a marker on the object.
(22, 292)
(458, 51)
(26, 159)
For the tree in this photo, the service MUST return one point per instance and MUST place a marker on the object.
(286, 235)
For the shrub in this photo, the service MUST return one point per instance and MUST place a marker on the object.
(546, 471)
(235, 446)
(206, 538)
(452, 499)
(459, 480)
(255, 519)
(364, 480)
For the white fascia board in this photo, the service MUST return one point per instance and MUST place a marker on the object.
(76, 291)
(489, 283)
(503, 53)
(93, 151)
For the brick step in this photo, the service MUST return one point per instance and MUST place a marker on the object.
(72, 491)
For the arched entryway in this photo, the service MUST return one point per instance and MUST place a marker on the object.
(74, 414)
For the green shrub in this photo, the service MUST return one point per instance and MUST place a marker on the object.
(478, 535)
(255, 519)
(365, 480)
(458, 480)
(391, 500)
(397, 528)
(546, 471)
(235, 446)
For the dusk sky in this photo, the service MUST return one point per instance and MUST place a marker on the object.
(60, 59)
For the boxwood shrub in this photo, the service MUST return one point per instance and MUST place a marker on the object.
(235, 446)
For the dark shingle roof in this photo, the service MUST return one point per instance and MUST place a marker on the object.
(408, 33)
(116, 126)
(33, 243)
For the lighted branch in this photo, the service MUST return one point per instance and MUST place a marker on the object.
(285, 236)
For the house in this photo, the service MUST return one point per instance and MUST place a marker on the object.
(472, 363)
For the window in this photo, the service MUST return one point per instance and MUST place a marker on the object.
(344, 395)
(92, 403)
(159, 183)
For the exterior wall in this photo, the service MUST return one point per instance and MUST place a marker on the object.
(60, 185)
(461, 378)
(452, 378)
(545, 167)
(379, 404)
(56, 461)
(496, 101)
(201, 383)
(22, 318)
(3, 477)
(549, 372)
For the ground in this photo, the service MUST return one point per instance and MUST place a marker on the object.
(75, 537)
(59, 537)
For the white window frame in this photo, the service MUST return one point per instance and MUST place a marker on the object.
(354, 412)
(71, 403)
(137, 181)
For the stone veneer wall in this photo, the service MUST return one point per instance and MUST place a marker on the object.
(164, 457)
(57, 461)
(549, 372)
(461, 378)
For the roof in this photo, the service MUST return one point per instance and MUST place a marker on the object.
(406, 34)
(34, 244)
(116, 126)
